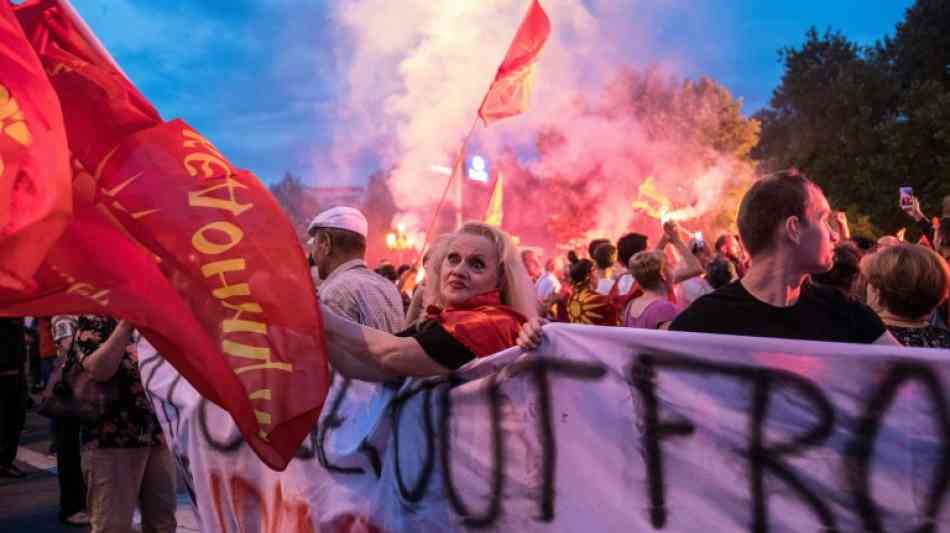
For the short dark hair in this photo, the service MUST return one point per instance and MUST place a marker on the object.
(594, 244)
(720, 272)
(844, 270)
(605, 256)
(721, 241)
(766, 206)
(581, 270)
(347, 242)
(388, 271)
(865, 244)
(629, 245)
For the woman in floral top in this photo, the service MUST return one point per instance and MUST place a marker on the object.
(125, 460)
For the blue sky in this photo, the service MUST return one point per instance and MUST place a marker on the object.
(259, 77)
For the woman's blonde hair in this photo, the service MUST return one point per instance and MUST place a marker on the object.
(517, 291)
(911, 279)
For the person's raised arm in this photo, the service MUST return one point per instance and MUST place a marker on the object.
(913, 209)
(690, 267)
(844, 229)
(368, 354)
(104, 362)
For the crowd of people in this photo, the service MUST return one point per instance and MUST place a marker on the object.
(793, 271)
(106, 467)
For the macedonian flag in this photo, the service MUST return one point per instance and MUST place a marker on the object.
(589, 307)
(168, 234)
(35, 197)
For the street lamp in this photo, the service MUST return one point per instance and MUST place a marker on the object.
(400, 240)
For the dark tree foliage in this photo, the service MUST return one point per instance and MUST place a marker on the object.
(864, 121)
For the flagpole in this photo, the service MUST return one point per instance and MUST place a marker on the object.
(456, 169)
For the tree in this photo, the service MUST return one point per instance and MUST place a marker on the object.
(686, 129)
(864, 121)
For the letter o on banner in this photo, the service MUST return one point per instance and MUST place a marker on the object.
(204, 245)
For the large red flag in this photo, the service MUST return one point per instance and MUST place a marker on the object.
(225, 250)
(511, 90)
(35, 198)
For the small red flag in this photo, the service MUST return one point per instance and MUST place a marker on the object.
(35, 197)
(511, 90)
(230, 302)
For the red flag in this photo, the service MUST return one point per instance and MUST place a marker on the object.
(94, 268)
(226, 252)
(511, 90)
(35, 197)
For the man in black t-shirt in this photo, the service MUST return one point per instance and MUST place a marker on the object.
(784, 224)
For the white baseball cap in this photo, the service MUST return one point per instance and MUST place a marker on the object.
(345, 218)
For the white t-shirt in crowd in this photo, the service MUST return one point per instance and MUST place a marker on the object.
(625, 283)
(604, 285)
(690, 290)
(547, 285)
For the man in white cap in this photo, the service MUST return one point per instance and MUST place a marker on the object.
(348, 287)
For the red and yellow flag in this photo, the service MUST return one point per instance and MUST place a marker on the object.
(196, 253)
(495, 211)
(35, 197)
(511, 90)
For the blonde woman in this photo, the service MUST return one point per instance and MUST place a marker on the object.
(477, 297)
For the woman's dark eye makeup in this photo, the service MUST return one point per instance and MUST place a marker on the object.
(475, 262)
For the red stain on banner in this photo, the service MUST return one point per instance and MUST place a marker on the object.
(254, 511)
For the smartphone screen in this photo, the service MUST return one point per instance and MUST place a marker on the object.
(907, 196)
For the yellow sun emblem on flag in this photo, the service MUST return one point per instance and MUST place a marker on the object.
(12, 123)
(587, 307)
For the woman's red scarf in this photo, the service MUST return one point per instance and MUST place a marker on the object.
(482, 324)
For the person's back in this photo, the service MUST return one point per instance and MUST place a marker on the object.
(125, 461)
(651, 314)
(12, 344)
(820, 314)
(690, 290)
(363, 296)
(604, 257)
(13, 393)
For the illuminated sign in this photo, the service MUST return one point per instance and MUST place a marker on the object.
(478, 169)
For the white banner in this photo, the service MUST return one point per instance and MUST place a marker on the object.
(600, 430)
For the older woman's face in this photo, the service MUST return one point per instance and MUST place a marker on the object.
(470, 268)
